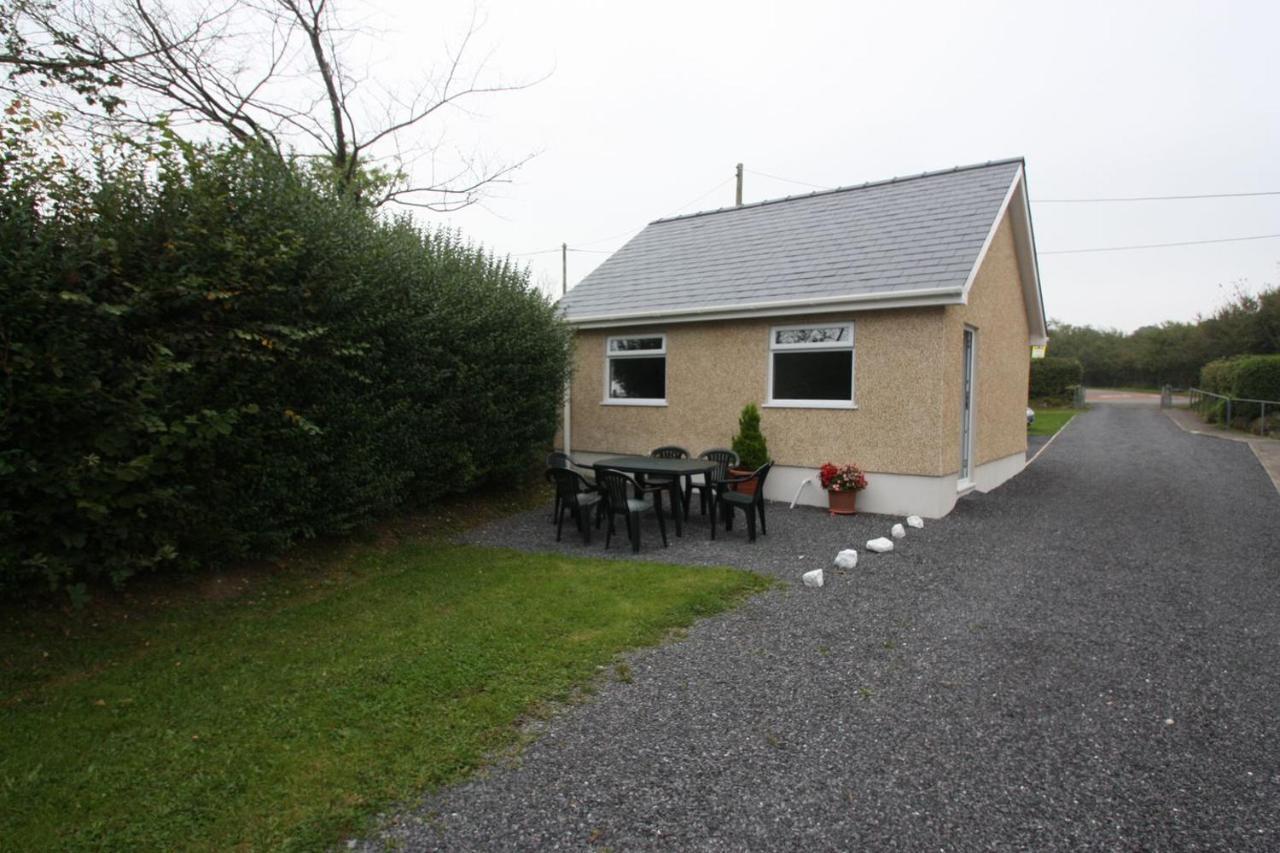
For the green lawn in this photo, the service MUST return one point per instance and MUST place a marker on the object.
(284, 716)
(1049, 421)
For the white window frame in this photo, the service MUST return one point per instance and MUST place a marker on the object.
(610, 355)
(814, 346)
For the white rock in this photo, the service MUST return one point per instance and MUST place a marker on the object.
(847, 559)
(915, 521)
(880, 546)
(899, 532)
(813, 578)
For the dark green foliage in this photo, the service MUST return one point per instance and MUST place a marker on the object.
(1258, 377)
(214, 354)
(1246, 377)
(1219, 377)
(1172, 353)
(1102, 352)
(749, 443)
(1055, 378)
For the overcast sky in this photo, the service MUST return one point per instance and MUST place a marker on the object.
(647, 107)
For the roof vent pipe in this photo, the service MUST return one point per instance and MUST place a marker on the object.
(737, 198)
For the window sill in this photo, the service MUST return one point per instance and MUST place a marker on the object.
(809, 404)
(633, 402)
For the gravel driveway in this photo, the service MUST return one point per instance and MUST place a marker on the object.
(1088, 657)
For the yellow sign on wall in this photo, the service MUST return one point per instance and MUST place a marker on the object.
(1038, 351)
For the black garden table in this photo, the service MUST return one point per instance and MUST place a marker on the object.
(651, 466)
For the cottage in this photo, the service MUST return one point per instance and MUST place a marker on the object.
(887, 324)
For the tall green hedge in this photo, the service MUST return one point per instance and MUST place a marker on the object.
(1055, 378)
(210, 354)
(1219, 376)
(1257, 377)
(1250, 377)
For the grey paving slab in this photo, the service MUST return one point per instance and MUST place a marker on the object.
(1087, 658)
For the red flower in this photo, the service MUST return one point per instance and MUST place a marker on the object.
(842, 478)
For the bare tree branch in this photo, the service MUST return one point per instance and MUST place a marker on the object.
(312, 25)
(266, 70)
(454, 196)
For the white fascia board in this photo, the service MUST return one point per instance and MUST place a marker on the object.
(991, 234)
(1029, 267)
(820, 305)
(1016, 205)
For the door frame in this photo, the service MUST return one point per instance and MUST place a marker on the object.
(968, 404)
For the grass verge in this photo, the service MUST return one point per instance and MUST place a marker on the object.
(284, 717)
(1049, 421)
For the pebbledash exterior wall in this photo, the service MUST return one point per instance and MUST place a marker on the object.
(908, 372)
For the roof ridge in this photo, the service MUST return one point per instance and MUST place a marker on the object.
(865, 185)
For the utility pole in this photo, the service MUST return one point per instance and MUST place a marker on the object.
(738, 196)
(564, 268)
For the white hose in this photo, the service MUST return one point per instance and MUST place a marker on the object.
(804, 483)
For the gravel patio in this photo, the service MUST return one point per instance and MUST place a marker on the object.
(1088, 657)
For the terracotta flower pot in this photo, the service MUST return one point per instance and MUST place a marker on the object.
(745, 488)
(842, 503)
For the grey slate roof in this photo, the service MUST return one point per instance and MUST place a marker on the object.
(909, 234)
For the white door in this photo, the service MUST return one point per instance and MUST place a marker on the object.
(966, 416)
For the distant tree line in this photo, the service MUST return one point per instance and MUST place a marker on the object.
(1172, 352)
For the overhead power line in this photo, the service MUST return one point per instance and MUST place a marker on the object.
(610, 238)
(1151, 198)
(1160, 245)
(558, 249)
(788, 180)
(677, 211)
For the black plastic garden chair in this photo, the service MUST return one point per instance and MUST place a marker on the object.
(614, 487)
(724, 459)
(672, 483)
(725, 499)
(556, 459)
(575, 494)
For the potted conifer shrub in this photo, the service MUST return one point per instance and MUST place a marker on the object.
(750, 446)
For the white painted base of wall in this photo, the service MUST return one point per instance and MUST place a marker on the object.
(987, 477)
(896, 494)
(887, 494)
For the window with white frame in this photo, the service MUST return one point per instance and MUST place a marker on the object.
(636, 370)
(811, 365)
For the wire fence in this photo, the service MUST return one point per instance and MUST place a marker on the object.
(1225, 408)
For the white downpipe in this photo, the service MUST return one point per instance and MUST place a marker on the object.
(806, 481)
